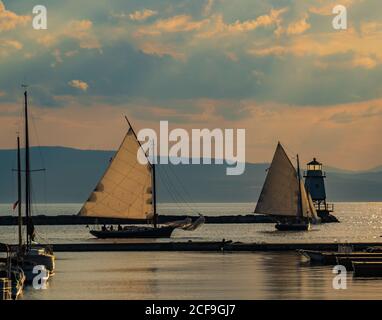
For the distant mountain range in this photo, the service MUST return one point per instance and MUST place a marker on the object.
(71, 175)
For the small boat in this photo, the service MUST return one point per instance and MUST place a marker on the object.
(330, 258)
(5, 289)
(367, 269)
(17, 278)
(284, 196)
(127, 190)
(13, 273)
(347, 262)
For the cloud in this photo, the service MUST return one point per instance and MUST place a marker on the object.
(262, 21)
(298, 27)
(325, 7)
(216, 27)
(81, 30)
(142, 15)
(195, 51)
(47, 40)
(269, 51)
(371, 27)
(161, 49)
(8, 46)
(81, 85)
(10, 20)
(364, 62)
(179, 23)
(208, 7)
(352, 115)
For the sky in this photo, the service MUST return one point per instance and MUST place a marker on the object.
(276, 68)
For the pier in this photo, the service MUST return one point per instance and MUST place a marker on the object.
(203, 246)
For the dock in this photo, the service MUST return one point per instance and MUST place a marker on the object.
(203, 246)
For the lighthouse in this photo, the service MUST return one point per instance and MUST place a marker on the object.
(315, 185)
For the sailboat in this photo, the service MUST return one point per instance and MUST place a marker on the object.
(30, 254)
(284, 196)
(127, 190)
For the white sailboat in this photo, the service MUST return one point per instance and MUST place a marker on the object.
(127, 190)
(284, 196)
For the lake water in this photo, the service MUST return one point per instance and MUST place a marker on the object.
(180, 275)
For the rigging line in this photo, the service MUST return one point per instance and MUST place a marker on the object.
(292, 153)
(164, 181)
(42, 162)
(187, 194)
(178, 194)
(168, 190)
(185, 202)
(168, 186)
(172, 187)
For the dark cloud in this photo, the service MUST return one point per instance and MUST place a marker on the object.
(119, 71)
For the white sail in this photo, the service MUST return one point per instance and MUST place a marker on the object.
(279, 195)
(314, 216)
(308, 209)
(125, 190)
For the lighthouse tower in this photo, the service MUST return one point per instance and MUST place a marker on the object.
(315, 184)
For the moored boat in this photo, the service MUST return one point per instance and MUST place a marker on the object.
(17, 278)
(367, 269)
(330, 258)
(13, 273)
(29, 254)
(5, 289)
(347, 262)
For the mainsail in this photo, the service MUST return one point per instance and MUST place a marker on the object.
(280, 193)
(125, 190)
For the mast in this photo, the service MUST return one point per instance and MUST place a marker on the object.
(154, 191)
(27, 172)
(154, 199)
(300, 213)
(20, 218)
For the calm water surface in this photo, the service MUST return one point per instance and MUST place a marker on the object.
(180, 275)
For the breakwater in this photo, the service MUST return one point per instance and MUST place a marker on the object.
(79, 220)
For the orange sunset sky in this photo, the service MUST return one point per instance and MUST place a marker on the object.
(276, 68)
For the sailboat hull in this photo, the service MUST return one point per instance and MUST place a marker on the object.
(292, 227)
(135, 232)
